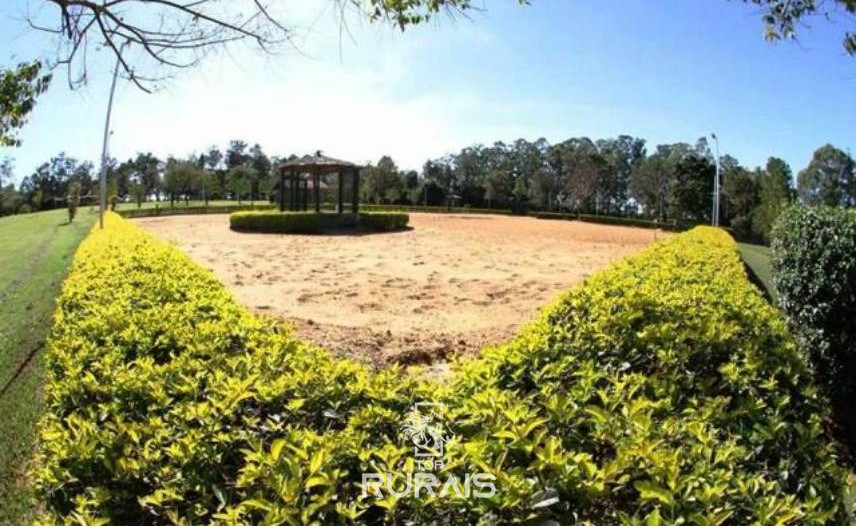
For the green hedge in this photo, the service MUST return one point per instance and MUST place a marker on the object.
(608, 220)
(814, 262)
(313, 222)
(189, 210)
(664, 390)
(434, 209)
(383, 221)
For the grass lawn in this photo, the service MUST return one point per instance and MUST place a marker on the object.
(35, 253)
(759, 260)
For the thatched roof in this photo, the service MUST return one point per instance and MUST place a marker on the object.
(317, 161)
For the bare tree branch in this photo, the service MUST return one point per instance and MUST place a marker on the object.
(150, 37)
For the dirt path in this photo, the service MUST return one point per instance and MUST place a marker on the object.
(452, 284)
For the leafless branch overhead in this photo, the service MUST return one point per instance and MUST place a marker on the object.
(150, 37)
(171, 33)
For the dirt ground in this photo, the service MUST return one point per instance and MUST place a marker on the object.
(453, 284)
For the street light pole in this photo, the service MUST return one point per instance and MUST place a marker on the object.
(102, 194)
(715, 215)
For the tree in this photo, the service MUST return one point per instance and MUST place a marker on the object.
(498, 188)
(73, 200)
(238, 180)
(782, 17)
(439, 182)
(147, 171)
(583, 170)
(236, 154)
(151, 39)
(19, 88)
(471, 165)
(775, 192)
(622, 155)
(212, 159)
(381, 183)
(262, 165)
(829, 179)
(179, 179)
(9, 198)
(206, 185)
(169, 35)
(654, 179)
(47, 187)
(690, 199)
(122, 174)
(740, 192)
(139, 193)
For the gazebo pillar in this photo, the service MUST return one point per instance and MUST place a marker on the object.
(295, 183)
(292, 197)
(281, 190)
(341, 203)
(317, 176)
(304, 196)
(355, 204)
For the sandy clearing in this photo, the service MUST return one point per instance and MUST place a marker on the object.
(453, 284)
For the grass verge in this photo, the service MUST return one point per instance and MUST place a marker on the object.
(36, 252)
(759, 259)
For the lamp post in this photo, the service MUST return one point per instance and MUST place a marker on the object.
(102, 193)
(715, 215)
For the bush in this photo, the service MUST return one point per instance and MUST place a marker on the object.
(383, 221)
(73, 200)
(190, 210)
(314, 222)
(662, 391)
(814, 260)
(434, 209)
(608, 220)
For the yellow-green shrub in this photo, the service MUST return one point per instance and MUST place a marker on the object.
(662, 391)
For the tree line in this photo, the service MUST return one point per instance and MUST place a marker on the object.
(670, 183)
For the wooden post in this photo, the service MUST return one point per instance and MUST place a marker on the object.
(341, 206)
(292, 192)
(355, 206)
(305, 194)
(317, 175)
(281, 190)
(295, 184)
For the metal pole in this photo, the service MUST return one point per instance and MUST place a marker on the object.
(715, 214)
(102, 198)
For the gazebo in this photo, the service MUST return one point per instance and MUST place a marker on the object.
(304, 174)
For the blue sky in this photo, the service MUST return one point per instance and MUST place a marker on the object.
(664, 70)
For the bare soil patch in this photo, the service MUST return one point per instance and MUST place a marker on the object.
(453, 284)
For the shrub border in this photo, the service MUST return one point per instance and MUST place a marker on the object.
(315, 223)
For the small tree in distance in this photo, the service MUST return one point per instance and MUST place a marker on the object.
(239, 180)
(73, 200)
(139, 193)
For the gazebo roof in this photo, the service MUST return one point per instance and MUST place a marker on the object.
(318, 160)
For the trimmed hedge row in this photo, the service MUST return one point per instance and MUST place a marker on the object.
(608, 220)
(229, 209)
(664, 390)
(434, 209)
(313, 222)
(814, 259)
(190, 210)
